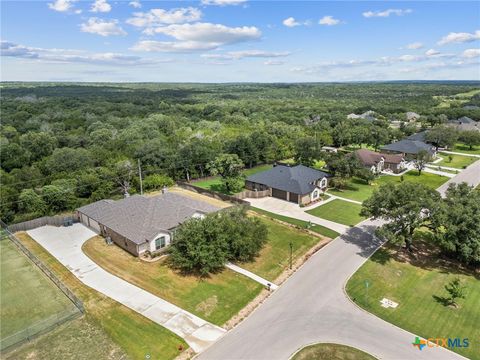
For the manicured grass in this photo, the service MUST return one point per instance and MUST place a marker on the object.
(331, 352)
(459, 147)
(358, 190)
(274, 258)
(136, 335)
(215, 299)
(300, 223)
(339, 211)
(27, 296)
(458, 161)
(418, 288)
(215, 184)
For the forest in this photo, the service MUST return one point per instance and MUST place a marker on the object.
(67, 144)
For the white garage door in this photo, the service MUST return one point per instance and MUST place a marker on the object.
(94, 225)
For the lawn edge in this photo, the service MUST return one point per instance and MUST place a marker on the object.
(329, 343)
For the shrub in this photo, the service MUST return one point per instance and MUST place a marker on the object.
(156, 182)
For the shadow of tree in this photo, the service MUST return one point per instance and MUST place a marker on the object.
(363, 236)
(442, 300)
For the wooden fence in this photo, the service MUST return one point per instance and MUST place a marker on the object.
(252, 194)
(45, 220)
(211, 193)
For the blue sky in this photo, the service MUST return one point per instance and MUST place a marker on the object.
(239, 40)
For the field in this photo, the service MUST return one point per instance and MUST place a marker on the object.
(120, 326)
(459, 147)
(458, 161)
(358, 190)
(27, 297)
(418, 287)
(215, 184)
(339, 211)
(275, 256)
(331, 352)
(215, 299)
(322, 230)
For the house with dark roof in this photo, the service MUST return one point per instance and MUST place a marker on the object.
(378, 162)
(408, 148)
(139, 223)
(299, 184)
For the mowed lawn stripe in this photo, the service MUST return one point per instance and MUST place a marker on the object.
(339, 211)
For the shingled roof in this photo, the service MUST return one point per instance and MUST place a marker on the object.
(295, 179)
(141, 218)
(369, 157)
(408, 147)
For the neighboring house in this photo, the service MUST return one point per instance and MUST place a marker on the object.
(412, 116)
(420, 136)
(299, 184)
(330, 149)
(471, 107)
(378, 162)
(408, 148)
(139, 223)
(465, 124)
(367, 115)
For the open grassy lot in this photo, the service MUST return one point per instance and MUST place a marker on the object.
(136, 335)
(418, 287)
(358, 190)
(331, 352)
(274, 258)
(215, 184)
(322, 230)
(27, 296)
(215, 299)
(458, 161)
(339, 211)
(459, 147)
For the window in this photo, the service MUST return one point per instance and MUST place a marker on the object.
(159, 242)
(315, 194)
(323, 183)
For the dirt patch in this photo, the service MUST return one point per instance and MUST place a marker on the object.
(207, 306)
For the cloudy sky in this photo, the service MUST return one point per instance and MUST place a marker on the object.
(239, 40)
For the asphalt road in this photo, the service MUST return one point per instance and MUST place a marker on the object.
(312, 307)
(470, 175)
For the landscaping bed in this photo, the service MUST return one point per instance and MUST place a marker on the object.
(417, 285)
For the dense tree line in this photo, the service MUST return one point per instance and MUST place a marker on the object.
(64, 145)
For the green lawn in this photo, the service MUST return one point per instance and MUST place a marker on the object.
(418, 288)
(215, 184)
(339, 211)
(331, 352)
(358, 190)
(459, 147)
(120, 327)
(300, 223)
(27, 296)
(215, 299)
(274, 258)
(458, 161)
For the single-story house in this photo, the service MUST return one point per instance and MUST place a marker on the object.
(412, 116)
(462, 120)
(367, 115)
(420, 136)
(299, 184)
(465, 126)
(378, 162)
(408, 148)
(139, 223)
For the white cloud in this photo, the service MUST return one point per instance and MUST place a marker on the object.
(432, 52)
(273, 62)
(173, 46)
(73, 56)
(386, 13)
(411, 58)
(471, 53)
(291, 22)
(102, 27)
(159, 17)
(101, 6)
(207, 32)
(236, 55)
(414, 46)
(61, 5)
(461, 37)
(223, 2)
(136, 4)
(328, 20)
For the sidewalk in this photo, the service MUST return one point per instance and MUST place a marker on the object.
(251, 275)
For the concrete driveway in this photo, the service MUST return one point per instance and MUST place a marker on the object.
(471, 175)
(292, 210)
(65, 244)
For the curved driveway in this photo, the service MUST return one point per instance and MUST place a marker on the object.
(312, 307)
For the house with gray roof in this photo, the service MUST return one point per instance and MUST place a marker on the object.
(408, 148)
(299, 184)
(139, 223)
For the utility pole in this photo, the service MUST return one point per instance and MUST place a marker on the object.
(291, 254)
(140, 176)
